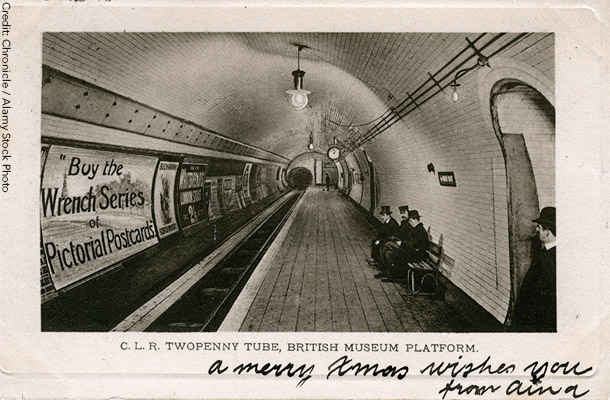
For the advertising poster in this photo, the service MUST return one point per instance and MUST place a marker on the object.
(165, 212)
(214, 207)
(207, 203)
(252, 181)
(95, 210)
(220, 197)
(246, 184)
(236, 202)
(230, 199)
(47, 291)
(239, 192)
(192, 207)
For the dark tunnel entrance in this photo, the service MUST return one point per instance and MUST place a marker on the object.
(299, 178)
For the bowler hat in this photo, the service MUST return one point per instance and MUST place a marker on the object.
(414, 214)
(403, 208)
(547, 217)
(385, 210)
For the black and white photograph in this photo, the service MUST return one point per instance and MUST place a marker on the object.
(304, 200)
(338, 138)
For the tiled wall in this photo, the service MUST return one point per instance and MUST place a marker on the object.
(471, 219)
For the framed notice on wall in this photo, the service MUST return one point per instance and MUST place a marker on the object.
(190, 188)
(446, 178)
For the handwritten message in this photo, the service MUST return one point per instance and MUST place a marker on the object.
(460, 368)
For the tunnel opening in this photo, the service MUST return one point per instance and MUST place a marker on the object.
(300, 178)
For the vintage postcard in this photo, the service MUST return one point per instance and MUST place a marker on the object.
(287, 200)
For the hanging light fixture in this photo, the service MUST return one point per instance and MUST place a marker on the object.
(310, 145)
(455, 97)
(298, 96)
(482, 61)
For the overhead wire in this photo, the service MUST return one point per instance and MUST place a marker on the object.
(396, 114)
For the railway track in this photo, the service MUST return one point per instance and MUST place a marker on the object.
(203, 307)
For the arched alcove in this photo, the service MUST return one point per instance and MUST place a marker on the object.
(519, 102)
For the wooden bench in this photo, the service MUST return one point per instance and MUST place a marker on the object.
(419, 273)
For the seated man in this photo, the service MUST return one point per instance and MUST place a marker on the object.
(389, 250)
(388, 229)
(413, 249)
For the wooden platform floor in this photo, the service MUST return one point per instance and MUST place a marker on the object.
(319, 281)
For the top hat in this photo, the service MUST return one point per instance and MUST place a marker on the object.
(547, 217)
(403, 208)
(385, 210)
(414, 214)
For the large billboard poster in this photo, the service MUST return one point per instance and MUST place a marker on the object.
(95, 210)
(192, 181)
(165, 212)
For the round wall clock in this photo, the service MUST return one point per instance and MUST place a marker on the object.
(333, 153)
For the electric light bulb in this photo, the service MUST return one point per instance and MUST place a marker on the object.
(455, 97)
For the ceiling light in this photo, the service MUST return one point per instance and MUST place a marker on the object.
(482, 61)
(298, 96)
(455, 97)
(310, 144)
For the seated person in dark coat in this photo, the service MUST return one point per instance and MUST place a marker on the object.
(536, 306)
(413, 249)
(389, 228)
(389, 250)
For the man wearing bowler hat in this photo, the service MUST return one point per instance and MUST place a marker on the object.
(536, 305)
(389, 250)
(413, 249)
(389, 228)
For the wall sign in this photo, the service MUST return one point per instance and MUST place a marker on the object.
(95, 210)
(446, 178)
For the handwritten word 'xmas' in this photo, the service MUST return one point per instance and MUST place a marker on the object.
(340, 367)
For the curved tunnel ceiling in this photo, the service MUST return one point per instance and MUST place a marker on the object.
(235, 83)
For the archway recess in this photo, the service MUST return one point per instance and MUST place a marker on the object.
(524, 122)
